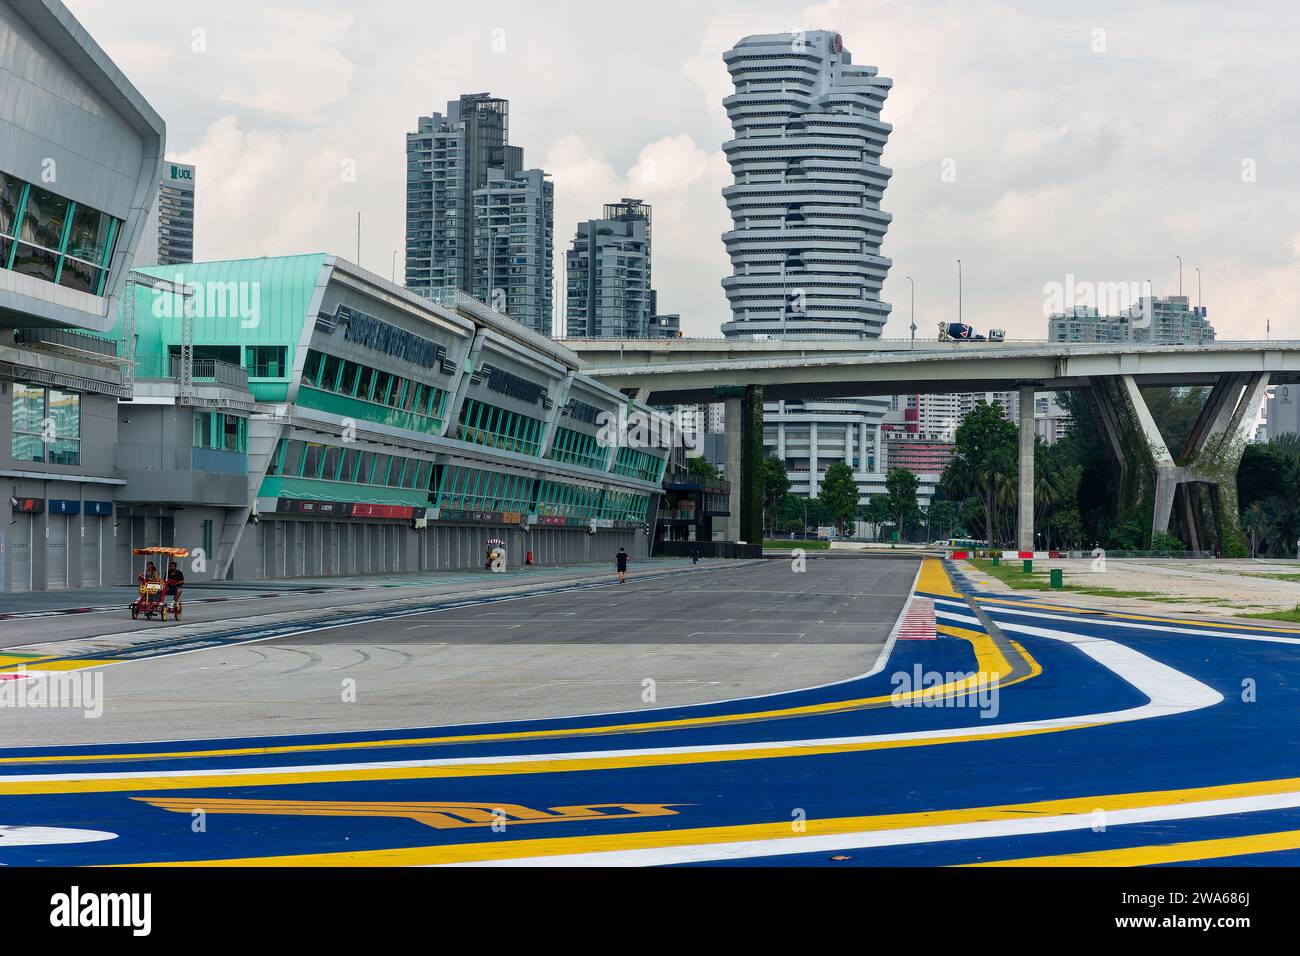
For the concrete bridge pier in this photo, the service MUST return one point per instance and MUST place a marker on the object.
(743, 460)
(1025, 514)
(1208, 461)
(731, 463)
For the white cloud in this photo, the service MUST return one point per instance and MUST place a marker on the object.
(1101, 164)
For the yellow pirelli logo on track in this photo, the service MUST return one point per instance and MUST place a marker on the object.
(440, 816)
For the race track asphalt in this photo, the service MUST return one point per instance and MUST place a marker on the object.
(698, 635)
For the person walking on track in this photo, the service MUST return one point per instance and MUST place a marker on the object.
(620, 562)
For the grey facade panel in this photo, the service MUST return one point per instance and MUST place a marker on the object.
(71, 123)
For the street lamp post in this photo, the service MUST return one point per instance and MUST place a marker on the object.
(913, 285)
(959, 291)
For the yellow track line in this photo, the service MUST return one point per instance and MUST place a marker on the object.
(11, 664)
(525, 766)
(560, 846)
(990, 662)
(1165, 852)
(933, 579)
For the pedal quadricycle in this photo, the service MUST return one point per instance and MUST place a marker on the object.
(155, 589)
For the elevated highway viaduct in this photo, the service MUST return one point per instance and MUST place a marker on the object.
(744, 373)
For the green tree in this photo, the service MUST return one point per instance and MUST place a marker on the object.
(799, 513)
(703, 469)
(1162, 541)
(1283, 525)
(900, 492)
(1267, 482)
(985, 465)
(943, 518)
(1175, 411)
(876, 512)
(839, 496)
(1261, 474)
(972, 516)
(776, 485)
(1255, 523)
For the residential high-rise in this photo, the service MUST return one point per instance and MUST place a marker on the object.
(807, 228)
(448, 157)
(667, 326)
(1008, 402)
(1168, 320)
(608, 275)
(1051, 420)
(513, 233)
(168, 237)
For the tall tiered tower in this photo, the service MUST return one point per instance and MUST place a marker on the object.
(807, 228)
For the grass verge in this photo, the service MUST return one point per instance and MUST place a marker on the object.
(1013, 575)
(784, 544)
(1292, 615)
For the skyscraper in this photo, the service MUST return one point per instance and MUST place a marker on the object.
(448, 157)
(513, 244)
(168, 237)
(608, 275)
(807, 228)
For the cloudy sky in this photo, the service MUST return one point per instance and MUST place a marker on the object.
(1045, 146)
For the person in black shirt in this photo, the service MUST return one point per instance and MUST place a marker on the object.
(175, 581)
(620, 562)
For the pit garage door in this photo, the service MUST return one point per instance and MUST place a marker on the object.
(92, 560)
(56, 552)
(19, 558)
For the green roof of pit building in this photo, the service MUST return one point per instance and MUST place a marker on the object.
(237, 302)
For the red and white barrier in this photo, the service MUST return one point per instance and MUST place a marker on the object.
(1011, 555)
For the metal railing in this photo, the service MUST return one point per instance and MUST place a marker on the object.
(1180, 555)
(775, 339)
(68, 339)
(132, 456)
(205, 370)
(141, 456)
(219, 461)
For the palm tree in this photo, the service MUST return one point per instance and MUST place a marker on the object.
(1255, 523)
(985, 487)
(1283, 524)
(1287, 446)
(1045, 495)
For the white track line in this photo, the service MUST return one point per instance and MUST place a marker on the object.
(1138, 626)
(1168, 690)
(781, 846)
